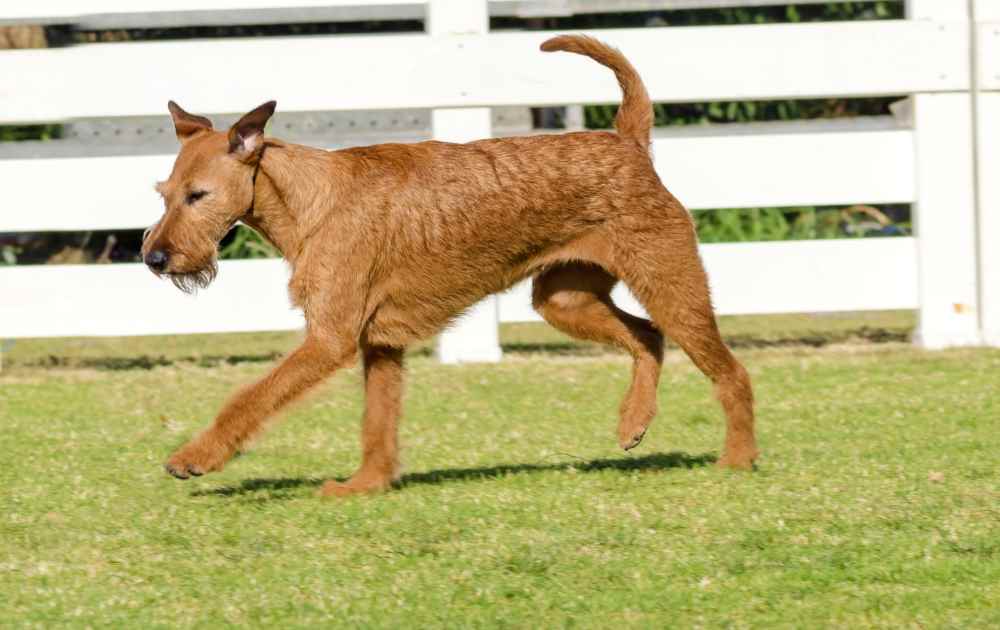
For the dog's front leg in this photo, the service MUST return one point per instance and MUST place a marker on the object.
(244, 415)
(379, 427)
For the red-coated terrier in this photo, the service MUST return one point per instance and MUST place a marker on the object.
(389, 243)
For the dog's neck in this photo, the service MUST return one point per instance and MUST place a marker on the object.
(290, 199)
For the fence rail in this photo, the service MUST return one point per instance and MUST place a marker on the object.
(170, 13)
(124, 299)
(763, 168)
(423, 71)
(938, 155)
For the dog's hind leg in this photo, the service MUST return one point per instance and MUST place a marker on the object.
(383, 368)
(576, 299)
(666, 274)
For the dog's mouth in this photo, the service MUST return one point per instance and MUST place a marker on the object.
(190, 281)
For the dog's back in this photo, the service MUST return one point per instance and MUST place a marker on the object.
(522, 178)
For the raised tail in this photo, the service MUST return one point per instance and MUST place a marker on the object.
(635, 116)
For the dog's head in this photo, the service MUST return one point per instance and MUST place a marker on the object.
(208, 191)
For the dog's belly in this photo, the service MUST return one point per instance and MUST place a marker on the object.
(417, 303)
(406, 316)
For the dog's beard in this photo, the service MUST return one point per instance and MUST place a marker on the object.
(191, 281)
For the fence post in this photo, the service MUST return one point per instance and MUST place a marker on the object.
(945, 212)
(986, 74)
(475, 336)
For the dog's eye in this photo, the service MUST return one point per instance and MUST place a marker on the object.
(194, 196)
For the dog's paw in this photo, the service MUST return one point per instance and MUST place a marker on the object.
(196, 458)
(738, 460)
(631, 431)
(636, 416)
(354, 487)
(628, 442)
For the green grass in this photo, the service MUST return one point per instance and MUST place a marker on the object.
(209, 350)
(876, 503)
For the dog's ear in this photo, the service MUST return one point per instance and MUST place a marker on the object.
(246, 137)
(187, 125)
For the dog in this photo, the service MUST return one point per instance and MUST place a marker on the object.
(389, 243)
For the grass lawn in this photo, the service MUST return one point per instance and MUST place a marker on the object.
(876, 502)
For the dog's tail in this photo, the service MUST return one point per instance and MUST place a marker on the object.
(635, 116)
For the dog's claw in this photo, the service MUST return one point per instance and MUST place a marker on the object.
(194, 471)
(174, 472)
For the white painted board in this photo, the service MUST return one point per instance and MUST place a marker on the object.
(417, 70)
(946, 241)
(71, 11)
(786, 277)
(988, 111)
(742, 170)
(126, 299)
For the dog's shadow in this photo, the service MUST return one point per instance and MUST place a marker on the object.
(653, 462)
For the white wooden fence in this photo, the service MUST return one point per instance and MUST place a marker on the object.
(941, 154)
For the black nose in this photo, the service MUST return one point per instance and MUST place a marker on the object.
(157, 260)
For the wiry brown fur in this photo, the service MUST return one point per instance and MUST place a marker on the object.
(389, 243)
